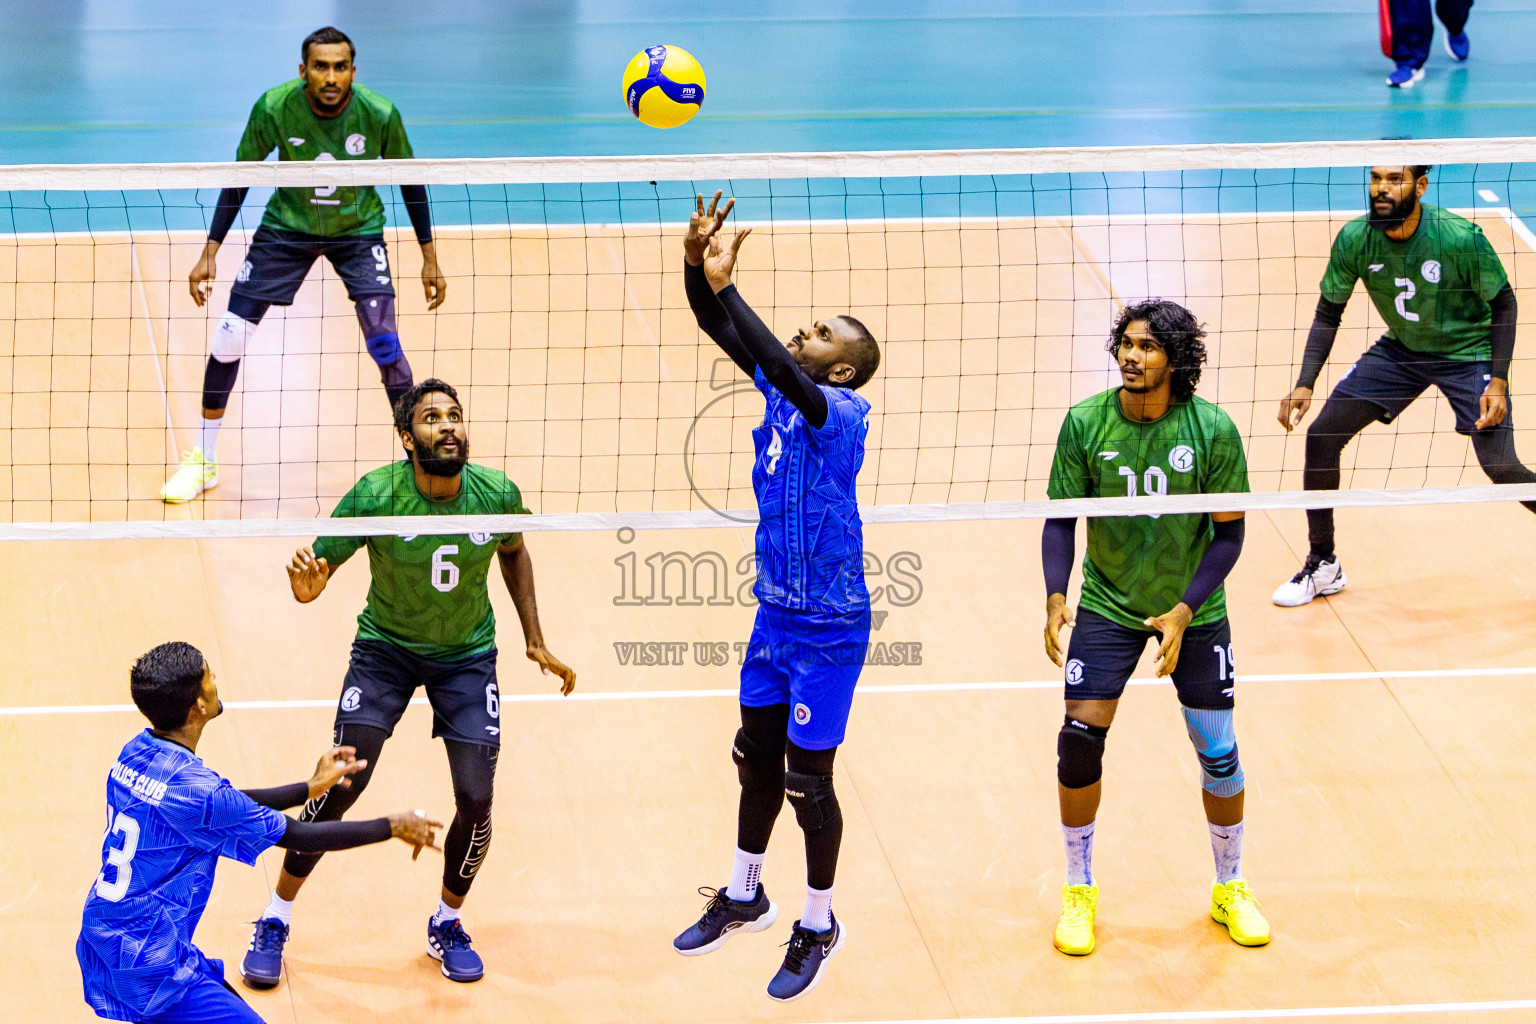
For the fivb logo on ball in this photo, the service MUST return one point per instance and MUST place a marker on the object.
(663, 86)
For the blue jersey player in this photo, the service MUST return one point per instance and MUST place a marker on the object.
(169, 820)
(812, 628)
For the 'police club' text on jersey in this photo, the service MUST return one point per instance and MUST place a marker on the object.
(369, 128)
(810, 539)
(1138, 567)
(428, 594)
(169, 820)
(1432, 289)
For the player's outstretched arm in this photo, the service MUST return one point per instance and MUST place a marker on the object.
(334, 767)
(517, 573)
(307, 575)
(712, 318)
(413, 829)
(1056, 543)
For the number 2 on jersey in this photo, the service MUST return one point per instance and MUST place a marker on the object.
(1406, 284)
(118, 859)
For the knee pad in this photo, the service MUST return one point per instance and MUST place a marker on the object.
(376, 316)
(1079, 753)
(230, 338)
(813, 799)
(1216, 745)
(753, 767)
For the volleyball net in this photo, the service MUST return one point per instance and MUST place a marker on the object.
(991, 280)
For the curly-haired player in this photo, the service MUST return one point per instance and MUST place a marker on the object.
(1148, 577)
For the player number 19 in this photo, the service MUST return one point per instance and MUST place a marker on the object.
(445, 575)
(118, 859)
(1224, 658)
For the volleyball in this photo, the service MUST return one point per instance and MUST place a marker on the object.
(663, 86)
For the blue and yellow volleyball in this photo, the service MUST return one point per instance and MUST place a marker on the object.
(663, 86)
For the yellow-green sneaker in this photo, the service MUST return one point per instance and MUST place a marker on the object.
(196, 475)
(1074, 929)
(1234, 905)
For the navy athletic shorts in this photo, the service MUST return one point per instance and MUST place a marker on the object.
(1102, 655)
(278, 261)
(1390, 376)
(382, 677)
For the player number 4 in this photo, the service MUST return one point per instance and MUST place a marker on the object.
(445, 575)
(118, 859)
(775, 449)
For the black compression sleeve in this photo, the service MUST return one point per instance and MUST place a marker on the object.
(774, 360)
(713, 319)
(326, 836)
(280, 798)
(1056, 545)
(1217, 561)
(417, 208)
(1501, 333)
(1325, 327)
(225, 212)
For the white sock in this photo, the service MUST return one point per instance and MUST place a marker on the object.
(1079, 844)
(818, 910)
(744, 873)
(444, 913)
(278, 909)
(1227, 847)
(208, 436)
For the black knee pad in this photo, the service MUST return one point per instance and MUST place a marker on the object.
(1079, 753)
(813, 799)
(753, 765)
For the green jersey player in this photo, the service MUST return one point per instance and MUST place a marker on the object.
(1148, 577)
(321, 115)
(428, 622)
(1450, 316)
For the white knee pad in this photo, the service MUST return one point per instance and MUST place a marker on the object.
(230, 338)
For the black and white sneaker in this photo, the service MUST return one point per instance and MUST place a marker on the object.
(722, 916)
(808, 953)
(1318, 578)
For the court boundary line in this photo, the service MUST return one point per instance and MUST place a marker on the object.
(1292, 1013)
(867, 688)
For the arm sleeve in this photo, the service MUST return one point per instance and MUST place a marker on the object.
(713, 319)
(279, 798)
(1056, 551)
(329, 836)
(1215, 564)
(224, 214)
(773, 360)
(1501, 332)
(215, 816)
(419, 210)
(1325, 328)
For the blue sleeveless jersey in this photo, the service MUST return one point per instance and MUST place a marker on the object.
(169, 820)
(810, 540)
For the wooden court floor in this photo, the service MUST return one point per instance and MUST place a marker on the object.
(1389, 835)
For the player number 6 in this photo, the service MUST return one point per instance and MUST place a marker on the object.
(445, 575)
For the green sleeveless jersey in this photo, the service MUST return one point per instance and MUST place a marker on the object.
(1432, 290)
(1138, 567)
(369, 128)
(429, 594)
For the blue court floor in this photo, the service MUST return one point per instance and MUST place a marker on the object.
(135, 80)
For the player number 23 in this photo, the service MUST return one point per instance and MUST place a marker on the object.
(445, 575)
(118, 859)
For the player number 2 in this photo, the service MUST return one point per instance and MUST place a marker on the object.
(118, 859)
(775, 449)
(445, 575)
(1406, 284)
(1224, 659)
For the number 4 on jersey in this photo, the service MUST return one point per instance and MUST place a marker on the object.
(775, 449)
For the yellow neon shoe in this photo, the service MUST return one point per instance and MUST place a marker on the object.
(195, 476)
(1234, 905)
(1074, 929)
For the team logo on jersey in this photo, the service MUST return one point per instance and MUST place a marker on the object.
(481, 538)
(494, 730)
(244, 273)
(1182, 458)
(1376, 266)
(1074, 672)
(1109, 455)
(802, 714)
(1431, 271)
(295, 142)
(356, 144)
(352, 699)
